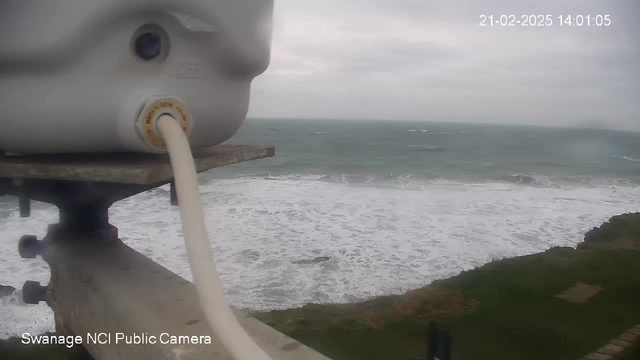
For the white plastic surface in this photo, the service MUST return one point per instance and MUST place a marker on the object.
(70, 80)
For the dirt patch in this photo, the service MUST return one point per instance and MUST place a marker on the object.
(418, 305)
(415, 306)
(626, 244)
(579, 293)
(620, 243)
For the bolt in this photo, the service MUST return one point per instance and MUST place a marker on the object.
(33, 292)
(29, 247)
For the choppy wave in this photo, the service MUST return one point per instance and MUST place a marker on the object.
(374, 239)
(567, 181)
(427, 148)
(417, 180)
(629, 158)
(518, 179)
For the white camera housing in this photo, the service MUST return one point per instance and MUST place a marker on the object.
(75, 75)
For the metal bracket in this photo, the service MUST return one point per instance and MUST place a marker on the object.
(100, 285)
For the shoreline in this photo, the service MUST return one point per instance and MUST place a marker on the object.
(528, 307)
(456, 302)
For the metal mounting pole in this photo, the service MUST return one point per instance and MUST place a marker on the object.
(98, 284)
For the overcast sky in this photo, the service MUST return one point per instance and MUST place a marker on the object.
(430, 60)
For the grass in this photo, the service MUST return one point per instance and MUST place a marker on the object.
(506, 309)
(503, 310)
(621, 227)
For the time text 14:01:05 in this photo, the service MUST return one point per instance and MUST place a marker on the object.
(545, 20)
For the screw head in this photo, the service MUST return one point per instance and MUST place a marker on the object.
(29, 247)
(33, 292)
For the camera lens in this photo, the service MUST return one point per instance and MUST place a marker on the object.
(148, 46)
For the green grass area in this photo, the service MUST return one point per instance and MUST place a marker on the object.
(620, 227)
(506, 309)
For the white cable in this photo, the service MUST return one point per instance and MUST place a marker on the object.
(199, 252)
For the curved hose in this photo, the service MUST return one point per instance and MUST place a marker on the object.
(200, 255)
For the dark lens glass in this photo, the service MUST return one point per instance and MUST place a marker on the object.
(148, 46)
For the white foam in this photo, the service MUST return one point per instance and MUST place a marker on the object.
(15, 316)
(630, 158)
(379, 240)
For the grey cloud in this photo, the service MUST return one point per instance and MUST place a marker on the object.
(393, 57)
(427, 60)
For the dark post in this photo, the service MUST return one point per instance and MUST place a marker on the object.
(89, 218)
(438, 343)
(432, 343)
(444, 345)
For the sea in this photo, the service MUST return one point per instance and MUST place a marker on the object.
(347, 210)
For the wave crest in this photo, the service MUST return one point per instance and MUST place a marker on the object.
(629, 158)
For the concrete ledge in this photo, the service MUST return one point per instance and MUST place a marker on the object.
(122, 168)
(621, 343)
(616, 347)
(597, 356)
(103, 286)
